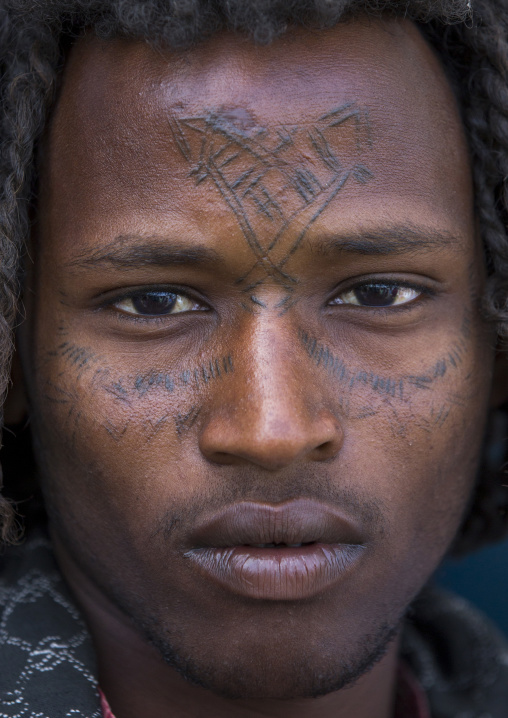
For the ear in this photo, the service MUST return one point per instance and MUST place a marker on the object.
(499, 390)
(16, 403)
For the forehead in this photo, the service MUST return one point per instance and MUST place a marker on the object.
(363, 94)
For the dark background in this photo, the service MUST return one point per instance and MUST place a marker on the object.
(481, 577)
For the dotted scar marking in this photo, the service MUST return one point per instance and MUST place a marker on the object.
(279, 180)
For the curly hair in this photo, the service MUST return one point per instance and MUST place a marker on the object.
(471, 38)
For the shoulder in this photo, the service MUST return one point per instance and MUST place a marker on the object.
(46, 655)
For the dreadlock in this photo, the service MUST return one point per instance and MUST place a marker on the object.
(471, 40)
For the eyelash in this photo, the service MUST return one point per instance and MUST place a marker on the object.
(149, 318)
(142, 319)
(424, 293)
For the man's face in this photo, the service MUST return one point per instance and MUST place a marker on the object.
(257, 370)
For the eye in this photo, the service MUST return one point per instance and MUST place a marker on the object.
(378, 294)
(156, 304)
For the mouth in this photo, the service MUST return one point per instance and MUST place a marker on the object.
(280, 545)
(283, 552)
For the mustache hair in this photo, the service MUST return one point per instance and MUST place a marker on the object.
(248, 485)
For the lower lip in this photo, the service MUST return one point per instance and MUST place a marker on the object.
(277, 574)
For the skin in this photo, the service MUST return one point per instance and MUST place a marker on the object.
(270, 386)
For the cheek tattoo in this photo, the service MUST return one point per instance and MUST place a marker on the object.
(323, 357)
(277, 180)
(196, 377)
(400, 387)
(76, 356)
(128, 390)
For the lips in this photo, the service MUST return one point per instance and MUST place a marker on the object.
(289, 551)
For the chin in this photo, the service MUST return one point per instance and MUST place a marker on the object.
(269, 672)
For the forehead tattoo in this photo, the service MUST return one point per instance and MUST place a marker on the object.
(276, 181)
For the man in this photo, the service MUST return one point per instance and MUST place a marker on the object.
(258, 368)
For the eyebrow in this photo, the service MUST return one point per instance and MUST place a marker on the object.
(133, 251)
(393, 240)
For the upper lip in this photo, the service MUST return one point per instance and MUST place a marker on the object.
(293, 522)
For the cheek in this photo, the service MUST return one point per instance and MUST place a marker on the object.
(119, 433)
(419, 452)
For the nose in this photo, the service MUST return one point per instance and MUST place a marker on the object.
(273, 411)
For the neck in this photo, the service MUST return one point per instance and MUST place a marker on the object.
(136, 680)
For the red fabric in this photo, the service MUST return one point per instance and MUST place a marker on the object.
(411, 701)
(106, 710)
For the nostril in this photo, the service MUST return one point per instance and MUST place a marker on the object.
(327, 450)
(228, 441)
(223, 458)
